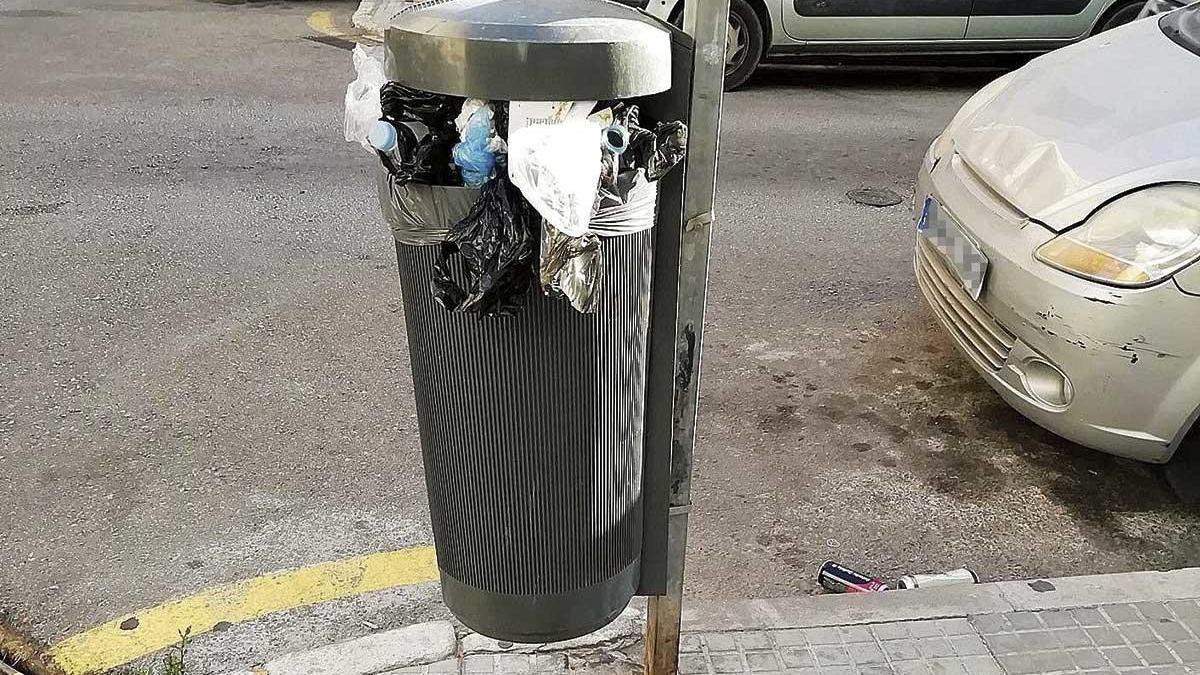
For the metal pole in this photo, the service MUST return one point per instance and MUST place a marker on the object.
(707, 22)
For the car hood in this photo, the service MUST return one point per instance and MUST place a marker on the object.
(1087, 123)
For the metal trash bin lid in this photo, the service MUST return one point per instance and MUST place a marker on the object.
(530, 50)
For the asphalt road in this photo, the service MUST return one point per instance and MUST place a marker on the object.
(203, 375)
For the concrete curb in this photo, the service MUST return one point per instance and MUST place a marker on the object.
(436, 644)
(414, 645)
(942, 603)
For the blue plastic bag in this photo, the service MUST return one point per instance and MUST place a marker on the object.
(475, 154)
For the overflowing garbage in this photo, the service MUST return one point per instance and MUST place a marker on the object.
(838, 578)
(517, 194)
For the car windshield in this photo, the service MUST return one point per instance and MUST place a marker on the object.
(1183, 26)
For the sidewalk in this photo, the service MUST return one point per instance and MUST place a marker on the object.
(1142, 622)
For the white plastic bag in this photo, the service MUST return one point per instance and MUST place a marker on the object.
(362, 95)
(557, 168)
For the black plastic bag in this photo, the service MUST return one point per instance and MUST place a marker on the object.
(670, 145)
(426, 121)
(498, 244)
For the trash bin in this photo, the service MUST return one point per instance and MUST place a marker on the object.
(531, 425)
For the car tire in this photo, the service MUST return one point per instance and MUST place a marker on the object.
(747, 44)
(1183, 471)
(745, 49)
(1119, 15)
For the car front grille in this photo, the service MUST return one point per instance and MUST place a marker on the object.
(985, 340)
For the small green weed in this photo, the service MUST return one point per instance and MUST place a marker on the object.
(174, 662)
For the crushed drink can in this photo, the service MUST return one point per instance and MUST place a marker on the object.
(951, 578)
(841, 579)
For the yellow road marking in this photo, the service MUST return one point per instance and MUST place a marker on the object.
(107, 646)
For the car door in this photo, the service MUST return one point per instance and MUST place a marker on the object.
(1033, 19)
(882, 20)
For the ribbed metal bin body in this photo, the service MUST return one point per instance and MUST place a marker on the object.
(531, 433)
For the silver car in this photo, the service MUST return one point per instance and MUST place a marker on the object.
(775, 29)
(1059, 227)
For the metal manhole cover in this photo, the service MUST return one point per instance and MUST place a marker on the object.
(877, 197)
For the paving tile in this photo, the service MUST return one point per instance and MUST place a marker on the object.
(1104, 636)
(1172, 670)
(900, 650)
(890, 631)
(797, 658)
(1050, 662)
(763, 662)
(1153, 610)
(727, 663)
(823, 636)
(1122, 613)
(1185, 608)
(754, 639)
(968, 645)
(1019, 664)
(1071, 637)
(1023, 620)
(719, 642)
(1156, 655)
(1087, 659)
(866, 653)
(945, 667)
(1170, 630)
(854, 634)
(512, 663)
(1137, 634)
(692, 664)
(981, 665)
(1039, 640)
(1188, 652)
(935, 647)
(1087, 617)
(548, 663)
(1057, 619)
(990, 624)
(1121, 656)
(911, 668)
(830, 655)
(924, 629)
(876, 669)
(789, 637)
(958, 626)
(1008, 644)
(481, 664)
(839, 670)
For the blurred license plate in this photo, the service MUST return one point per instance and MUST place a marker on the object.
(947, 236)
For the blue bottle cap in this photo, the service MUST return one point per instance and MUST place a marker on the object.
(382, 136)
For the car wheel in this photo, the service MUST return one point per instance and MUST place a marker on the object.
(1120, 15)
(743, 42)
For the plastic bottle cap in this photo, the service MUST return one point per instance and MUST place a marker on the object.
(616, 139)
(382, 136)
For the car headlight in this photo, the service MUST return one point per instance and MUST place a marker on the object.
(1136, 240)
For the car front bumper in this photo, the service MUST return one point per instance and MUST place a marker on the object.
(1128, 356)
